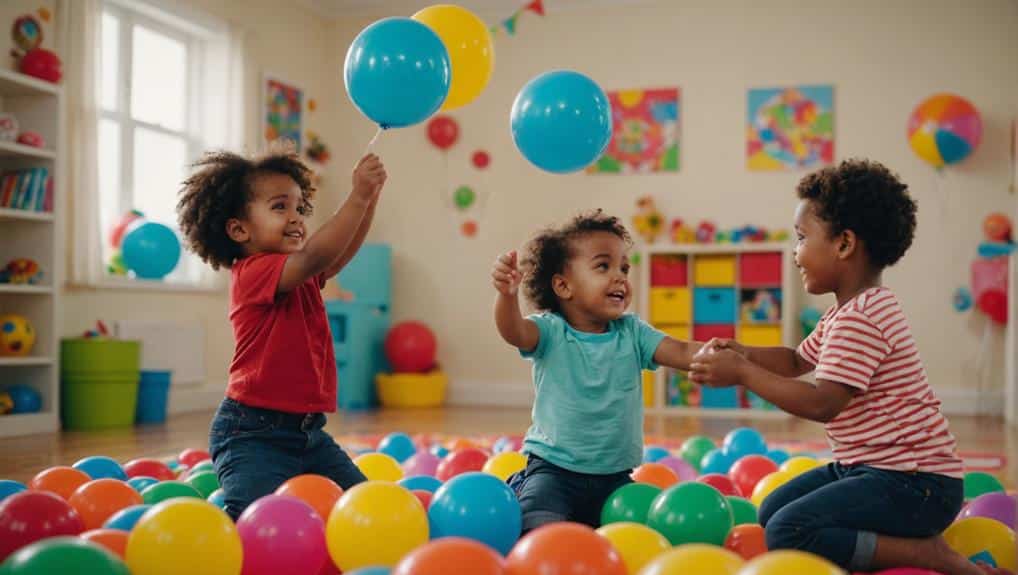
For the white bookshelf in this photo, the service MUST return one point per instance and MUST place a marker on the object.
(788, 323)
(39, 107)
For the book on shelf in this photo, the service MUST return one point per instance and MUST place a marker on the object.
(29, 189)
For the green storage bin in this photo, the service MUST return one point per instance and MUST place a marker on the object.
(99, 382)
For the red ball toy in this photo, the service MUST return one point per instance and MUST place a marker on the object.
(29, 516)
(410, 347)
(191, 457)
(722, 483)
(749, 470)
(460, 461)
(149, 468)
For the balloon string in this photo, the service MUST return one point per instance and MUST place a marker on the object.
(371, 144)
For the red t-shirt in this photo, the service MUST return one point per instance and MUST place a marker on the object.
(284, 358)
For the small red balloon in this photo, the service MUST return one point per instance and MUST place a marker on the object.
(461, 461)
(481, 159)
(469, 228)
(443, 131)
(722, 483)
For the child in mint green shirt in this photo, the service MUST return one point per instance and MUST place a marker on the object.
(587, 430)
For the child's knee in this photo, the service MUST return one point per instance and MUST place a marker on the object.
(780, 532)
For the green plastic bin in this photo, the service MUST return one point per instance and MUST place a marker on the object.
(99, 382)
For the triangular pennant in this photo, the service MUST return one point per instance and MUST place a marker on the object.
(510, 24)
(537, 7)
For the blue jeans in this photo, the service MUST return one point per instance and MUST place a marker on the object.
(255, 450)
(549, 493)
(837, 511)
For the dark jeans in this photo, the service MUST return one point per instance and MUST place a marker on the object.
(549, 493)
(837, 511)
(255, 450)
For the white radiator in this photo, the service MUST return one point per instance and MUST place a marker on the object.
(177, 347)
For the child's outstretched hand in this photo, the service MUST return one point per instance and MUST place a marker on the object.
(715, 367)
(716, 344)
(368, 178)
(505, 274)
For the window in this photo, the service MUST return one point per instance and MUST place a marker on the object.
(156, 73)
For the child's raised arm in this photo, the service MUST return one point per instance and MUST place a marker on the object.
(515, 329)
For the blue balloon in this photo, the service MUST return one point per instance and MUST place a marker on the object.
(653, 453)
(561, 121)
(397, 72)
(744, 441)
(98, 467)
(778, 456)
(716, 461)
(151, 250)
(425, 482)
(439, 451)
(140, 482)
(26, 399)
(477, 506)
(399, 446)
(125, 519)
(10, 487)
(217, 498)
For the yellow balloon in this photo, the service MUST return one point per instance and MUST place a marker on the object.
(787, 562)
(637, 544)
(184, 535)
(504, 464)
(471, 54)
(974, 535)
(799, 464)
(379, 467)
(769, 483)
(375, 523)
(697, 558)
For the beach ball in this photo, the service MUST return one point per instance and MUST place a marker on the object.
(944, 129)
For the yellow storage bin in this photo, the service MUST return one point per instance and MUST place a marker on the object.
(679, 332)
(714, 270)
(648, 388)
(670, 305)
(411, 389)
(760, 335)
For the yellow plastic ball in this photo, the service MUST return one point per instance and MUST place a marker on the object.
(799, 464)
(974, 535)
(696, 558)
(637, 544)
(375, 524)
(768, 484)
(184, 535)
(787, 562)
(379, 467)
(17, 336)
(504, 464)
(471, 54)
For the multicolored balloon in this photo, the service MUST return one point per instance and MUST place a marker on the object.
(944, 129)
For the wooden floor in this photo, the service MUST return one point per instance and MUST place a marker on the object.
(21, 458)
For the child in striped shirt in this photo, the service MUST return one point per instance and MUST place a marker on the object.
(896, 481)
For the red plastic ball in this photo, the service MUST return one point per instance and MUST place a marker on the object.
(410, 347)
(749, 470)
(149, 468)
(722, 483)
(461, 461)
(29, 516)
(191, 457)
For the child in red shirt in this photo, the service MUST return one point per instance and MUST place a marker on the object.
(248, 215)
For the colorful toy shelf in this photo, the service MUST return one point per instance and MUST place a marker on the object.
(743, 291)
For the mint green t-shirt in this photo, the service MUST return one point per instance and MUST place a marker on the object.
(588, 411)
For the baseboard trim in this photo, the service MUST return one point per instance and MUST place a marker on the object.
(476, 393)
(962, 401)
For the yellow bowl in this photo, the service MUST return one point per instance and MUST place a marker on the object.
(411, 389)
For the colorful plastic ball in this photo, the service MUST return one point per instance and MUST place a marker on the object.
(504, 464)
(629, 503)
(369, 571)
(716, 461)
(768, 484)
(743, 510)
(653, 453)
(61, 480)
(978, 483)
(282, 534)
(321, 493)
(564, 548)
(375, 523)
(167, 490)
(29, 516)
(141, 482)
(749, 470)
(25, 398)
(425, 497)
(744, 441)
(184, 535)
(477, 506)
(191, 457)
(10, 487)
(508, 443)
(150, 249)
(422, 463)
(637, 544)
(99, 499)
(694, 448)
(410, 347)
(994, 505)
(944, 129)
(148, 468)
(722, 483)
(461, 461)
(778, 456)
(204, 482)
(747, 540)
(60, 555)
(786, 562)
(114, 540)
(683, 470)
(379, 467)
(977, 535)
(695, 558)
(691, 513)
(126, 518)
(448, 555)
(98, 467)
(655, 474)
(422, 482)
(205, 465)
(399, 446)
(439, 451)
(798, 465)
(218, 498)
(17, 336)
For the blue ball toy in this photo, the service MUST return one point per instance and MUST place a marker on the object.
(10, 487)
(477, 506)
(126, 518)
(98, 467)
(423, 482)
(399, 446)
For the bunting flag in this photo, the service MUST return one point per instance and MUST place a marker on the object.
(509, 24)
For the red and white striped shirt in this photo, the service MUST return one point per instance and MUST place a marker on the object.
(894, 420)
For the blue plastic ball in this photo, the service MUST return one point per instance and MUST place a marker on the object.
(653, 453)
(10, 487)
(477, 506)
(140, 482)
(744, 441)
(399, 446)
(425, 482)
(716, 461)
(26, 399)
(98, 467)
(126, 518)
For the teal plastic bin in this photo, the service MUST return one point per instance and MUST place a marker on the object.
(153, 394)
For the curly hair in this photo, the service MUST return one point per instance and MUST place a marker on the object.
(548, 252)
(220, 190)
(867, 198)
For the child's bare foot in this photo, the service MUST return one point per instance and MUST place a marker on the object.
(939, 556)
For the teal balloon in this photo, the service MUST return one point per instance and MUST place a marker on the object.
(561, 121)
(151, 250)
(463, 197)
(62, 555)
(691, 513)
(397, 72)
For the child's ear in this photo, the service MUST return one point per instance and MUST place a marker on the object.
(561, 287)
(847, 243)
(237, 230)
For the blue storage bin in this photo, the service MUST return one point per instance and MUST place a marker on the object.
(369, 275)
(153, 394)
(719, 397)
(358, 337)
(714, 305)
